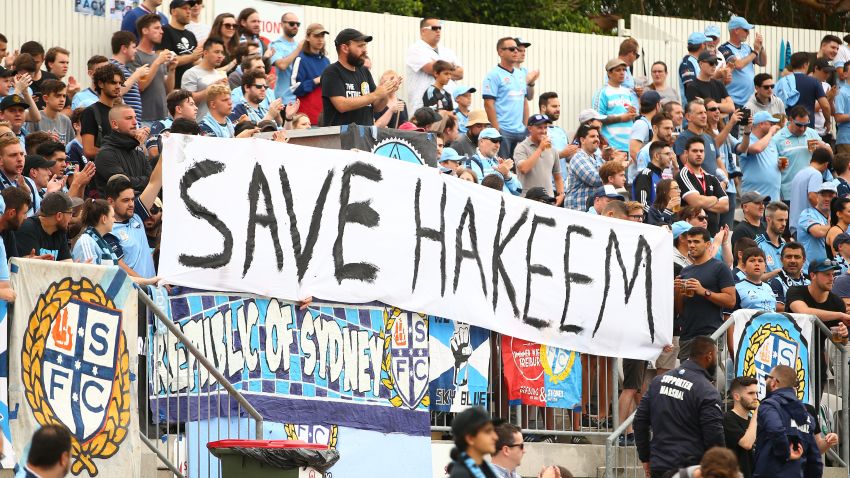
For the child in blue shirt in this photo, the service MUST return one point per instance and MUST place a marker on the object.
(751, 292)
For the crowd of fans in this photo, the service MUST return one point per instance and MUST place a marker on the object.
(749, 172)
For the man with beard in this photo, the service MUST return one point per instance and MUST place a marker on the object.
(467, 143)
(739, 426)
(286, 50)
(349, 94)
(94, 122)
(16, 203)
(50, 453)
(12, 160)
(791, 273)
(682, 411)
(120, 153)
(47, 233)
(131, 211)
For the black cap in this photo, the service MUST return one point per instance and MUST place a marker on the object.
(54, 203)
(6, 72)
(350, 34)
(538, 193)
(823, 64)
(470, 421)
(426, 116)
(538, 119)
(37, 161)
(179, 3)
(13, 100)
(708, 57)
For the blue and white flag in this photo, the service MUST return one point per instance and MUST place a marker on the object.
(460, 365)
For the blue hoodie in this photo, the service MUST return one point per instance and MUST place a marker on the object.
(783, 419)
(311, 66)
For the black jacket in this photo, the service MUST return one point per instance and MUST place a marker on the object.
(119, 154)
(682, 408)
(783, 419)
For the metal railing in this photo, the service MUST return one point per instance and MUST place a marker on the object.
(184, 407)
(622, 461)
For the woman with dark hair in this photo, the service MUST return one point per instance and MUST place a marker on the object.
(248, 27)
(667, 202)
(224, 27)
(839, 219)
(313, 61)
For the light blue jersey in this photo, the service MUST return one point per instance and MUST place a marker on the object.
(815, 247)
(238, 97)
(211, 127)
(560, 140)
(761, 171)
(755, 296)
(488, 166)
(772, 252)
(842, 107)
(508, 89)
(796, 149)
(84, 99)
(282, 49)
(742, 86)
(612, 100)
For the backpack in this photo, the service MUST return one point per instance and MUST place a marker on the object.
(786, 90)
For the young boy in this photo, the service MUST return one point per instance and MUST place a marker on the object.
(463, 98)
(841, 245)
(436, 95)
(74, 148)
(751, 292)
(52, 119)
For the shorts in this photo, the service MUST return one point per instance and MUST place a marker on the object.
(634, 372)
(667, 360)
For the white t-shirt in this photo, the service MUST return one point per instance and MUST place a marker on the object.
(200, 30)
(198, 79)
(417, 81)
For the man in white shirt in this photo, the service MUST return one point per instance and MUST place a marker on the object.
(420, 58)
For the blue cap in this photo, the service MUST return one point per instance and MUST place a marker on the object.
(697, 38)
(842, 238)
(763, 116)
(538, 119)
(489, 133)
(680, 227)
(841, 286)
(740, 22)
(823, 265)
(712, 31)
(450, 154)
(608, 191)
(462, 90)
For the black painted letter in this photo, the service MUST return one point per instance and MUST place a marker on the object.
(356, 213)
(430, 234)
(571, 278)
(201, 170)
(538, 269)
(472, 252)
(498, 265)
(302, 258)
(260, 183)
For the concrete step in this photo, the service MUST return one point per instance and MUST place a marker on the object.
(623, 472)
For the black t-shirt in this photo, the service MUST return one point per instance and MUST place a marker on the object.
(182, 42)
(745, 229)
(707, 185)
(32, 236)
(97, 113)
(35, 86)
(699, 316)
(712, 89)
(10, 243)
(735, 427)
(801, 292)
(340, 81)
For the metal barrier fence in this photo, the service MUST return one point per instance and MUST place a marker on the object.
(599, 415)
(834, 412)
(190, 407)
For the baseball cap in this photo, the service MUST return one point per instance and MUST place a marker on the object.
(588, 114)
(649, 98)
(823, 64)
(6, 72)
(462, 90)
(470, 420)
(519, 41)
(828, 186)
(740, 22)
(489, 133)
(712, 31)
(608, 191)
(477, 117)
(36, 161)
(538, 119)
(819, 265)
(426, 116)
(57, 202)
(317, 29)
(697, 38)
(350, 34)
(680, 227)
(708, 57)
(763, 116)
(614, 63)
(538, 193)
(753, 196)
(179, 3)
(841, 286)
(450, 154)
(13, 100)
(840, 239)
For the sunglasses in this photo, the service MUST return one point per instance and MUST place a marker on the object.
(510, 48)
(293, 24)
(768, 87)
(702, 218)
(713, 109)
(229, 26)
(494, 140)
(712, 63)
(433, 28)
(636, 216)
(521, 446)
(801, 125)
(155, 209)
(260, 87)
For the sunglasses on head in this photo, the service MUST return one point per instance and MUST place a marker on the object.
(293, 24)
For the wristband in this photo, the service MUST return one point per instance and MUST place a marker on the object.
(530, 84)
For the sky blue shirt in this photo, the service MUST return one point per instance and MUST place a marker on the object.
(461, 121)
(560, 140)
(84, 99)
(796, 149)
(211, 127)
(754, 296)
(508, 89)
(512, 186)
(282, 49)
(612, 100)
(772, 253)
(842, 107)
(641, 131)
(238, 96)
(808, 180)
(761, 171)
(134, 242)
(742, 85)
(815, 248)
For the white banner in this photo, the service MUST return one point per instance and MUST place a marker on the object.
(291, 221)
(73, 361)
